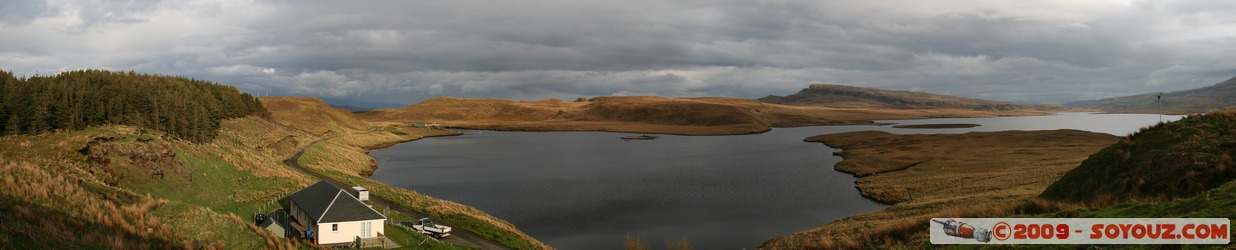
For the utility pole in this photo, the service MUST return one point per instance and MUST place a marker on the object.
(1158, 101)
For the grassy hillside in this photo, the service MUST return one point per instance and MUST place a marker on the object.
(481, 109)
(131, 187)
(59, 191)
(840, 96)
(1219, 96)
(1161, 162)
(311, 115)
(646, 114)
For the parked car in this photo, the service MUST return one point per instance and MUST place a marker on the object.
(428, 227)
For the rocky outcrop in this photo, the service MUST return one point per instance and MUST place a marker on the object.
(154, 157)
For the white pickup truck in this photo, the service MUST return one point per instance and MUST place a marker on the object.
(427, 227)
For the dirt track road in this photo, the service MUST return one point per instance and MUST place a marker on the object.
(458, 236)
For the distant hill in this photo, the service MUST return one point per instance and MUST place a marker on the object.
(356, 105)
(1219, 96)
(1162, 162)
(649, 109)
(645, 114)
(311, 115)
(648, 114)
(350, 108)
(840, 96)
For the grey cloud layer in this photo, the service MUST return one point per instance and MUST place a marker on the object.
(405, 51)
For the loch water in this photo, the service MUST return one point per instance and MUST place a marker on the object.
(589, 190)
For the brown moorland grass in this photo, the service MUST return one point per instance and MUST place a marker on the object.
(978, 174)
(311, 115)
(210, 194)
(49, 209)
(648, 114)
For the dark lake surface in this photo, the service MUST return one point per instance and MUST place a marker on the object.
(588, 190)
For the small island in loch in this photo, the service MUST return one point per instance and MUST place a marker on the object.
(937, 126)
(639, 137)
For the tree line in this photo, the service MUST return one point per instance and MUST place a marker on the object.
(186, 108)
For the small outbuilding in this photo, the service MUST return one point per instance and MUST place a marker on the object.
(274, 223)
(327, 215)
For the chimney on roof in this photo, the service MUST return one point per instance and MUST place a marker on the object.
(360, 193)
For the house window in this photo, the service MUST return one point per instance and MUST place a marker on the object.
(334, 227)
(365, 229)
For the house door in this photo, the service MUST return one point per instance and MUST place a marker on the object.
(365, 229)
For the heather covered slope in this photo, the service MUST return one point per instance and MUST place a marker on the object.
(1161, 162)
(840, 96)
(1219, 96)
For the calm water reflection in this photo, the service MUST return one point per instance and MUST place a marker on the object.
(587, 190)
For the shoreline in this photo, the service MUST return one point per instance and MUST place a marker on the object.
(944, 170)
(383, 145)
(840, 152)
(373, 163)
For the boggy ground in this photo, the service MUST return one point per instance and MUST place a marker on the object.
(950, 175)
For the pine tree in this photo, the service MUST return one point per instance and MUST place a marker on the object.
(187, 108)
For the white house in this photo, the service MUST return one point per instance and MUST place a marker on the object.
(328, 215)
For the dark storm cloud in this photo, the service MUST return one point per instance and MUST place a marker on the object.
(405, 51)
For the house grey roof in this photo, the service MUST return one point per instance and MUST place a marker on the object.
(324, 202)
(273, 218)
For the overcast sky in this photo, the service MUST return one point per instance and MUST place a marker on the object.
(405, 51)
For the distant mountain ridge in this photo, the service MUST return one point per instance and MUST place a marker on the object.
(840, 96)
(1219, 96)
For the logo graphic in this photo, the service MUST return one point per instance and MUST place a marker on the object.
(962, 230)
(1080, 231)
